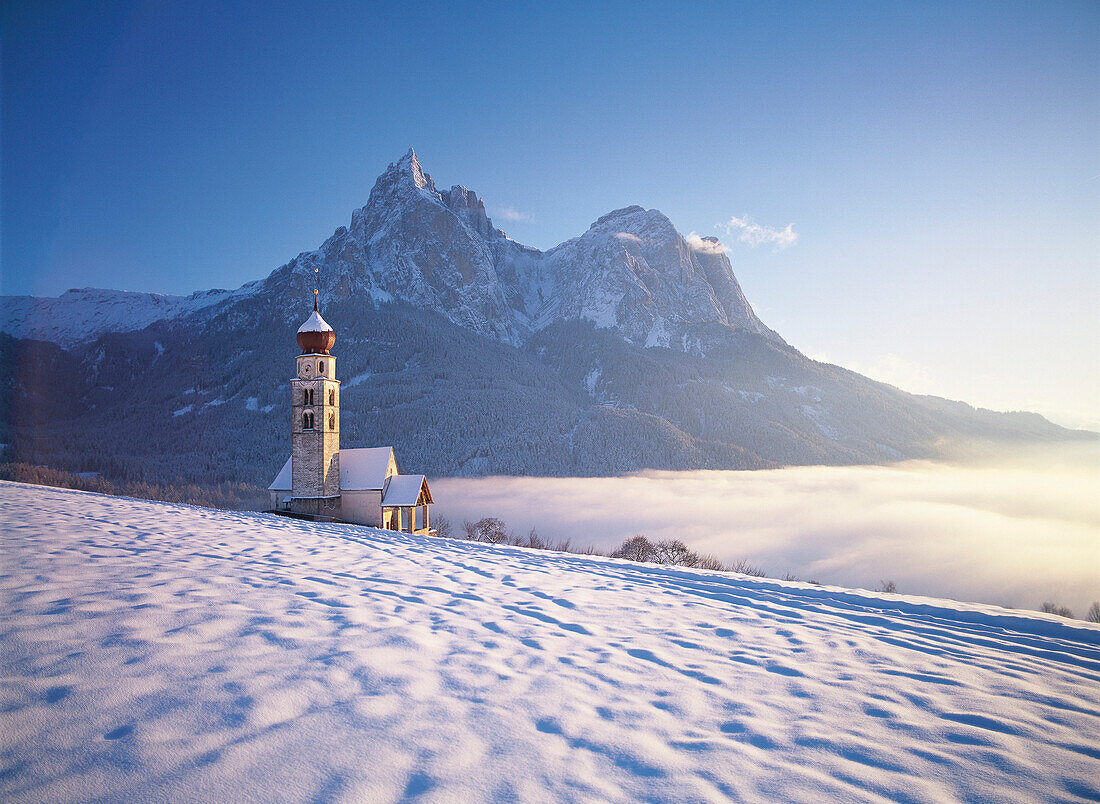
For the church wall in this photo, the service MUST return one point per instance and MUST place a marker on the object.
(362, 507)
(320, 506)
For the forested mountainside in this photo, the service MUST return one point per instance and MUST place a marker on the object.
(629, 347)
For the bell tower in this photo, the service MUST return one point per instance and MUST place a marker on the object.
(315, 421)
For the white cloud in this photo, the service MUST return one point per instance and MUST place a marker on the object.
(633, 238)
(707, 245)
(754, 234)
(512, 214)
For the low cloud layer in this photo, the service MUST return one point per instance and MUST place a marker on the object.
(754, 234)
(1013, 534)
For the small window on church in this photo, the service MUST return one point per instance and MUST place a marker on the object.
(332, 397)
(321, 367)
(305, 396)
(332, 421)
(307, 421)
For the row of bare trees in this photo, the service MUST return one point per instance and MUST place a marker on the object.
(670, 552)
(1092, 615)
(675, 553)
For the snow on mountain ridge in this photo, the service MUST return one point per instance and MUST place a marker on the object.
(631, 271)
(83, 314)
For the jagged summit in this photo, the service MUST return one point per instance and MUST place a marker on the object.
(472, 209)
(630, 272)
(617, 214)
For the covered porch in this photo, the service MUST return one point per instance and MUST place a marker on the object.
(405, 504)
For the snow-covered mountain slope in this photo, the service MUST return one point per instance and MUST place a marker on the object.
(631, 272)
(81, 315)
(158, 651)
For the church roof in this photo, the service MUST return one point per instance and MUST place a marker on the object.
(282, 480)
(360, 470)
(367, 468)
(404, 490)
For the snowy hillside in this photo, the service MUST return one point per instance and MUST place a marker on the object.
(165, 652)
(84, 314)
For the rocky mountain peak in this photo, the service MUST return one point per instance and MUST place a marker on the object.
(406, 171)
(467, 205)
(616, 215)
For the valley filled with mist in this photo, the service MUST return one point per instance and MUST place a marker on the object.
(1017, 530)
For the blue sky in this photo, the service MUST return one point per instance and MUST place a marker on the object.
(938, 163)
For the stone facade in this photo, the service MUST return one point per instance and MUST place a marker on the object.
(315, 436)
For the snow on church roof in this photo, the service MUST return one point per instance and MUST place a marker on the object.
(360, 470)
(366, 468)
(282, 480)
(315, 324)
(404, 490)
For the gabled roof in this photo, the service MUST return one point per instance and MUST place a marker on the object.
(405, 490)
(282, 480)
(363, 469)
(366, 468)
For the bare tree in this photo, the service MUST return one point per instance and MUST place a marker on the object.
(636, 548)
(1051, 608)
(443, 528)
(534, 541)
(743, 566)
(489, 529)
(1093, 615)
(887, 586)
(674, 551)
(710, 562)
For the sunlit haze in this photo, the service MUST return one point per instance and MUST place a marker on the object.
(1015, 533)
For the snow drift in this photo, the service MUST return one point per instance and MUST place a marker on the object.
(161, 651)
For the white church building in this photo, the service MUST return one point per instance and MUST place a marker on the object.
(323, 482)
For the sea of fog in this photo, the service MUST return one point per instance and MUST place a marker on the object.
(1015, 532)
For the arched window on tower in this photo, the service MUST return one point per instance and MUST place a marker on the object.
(305, 396)
(332, 396)
(307, 421)
(332, 421)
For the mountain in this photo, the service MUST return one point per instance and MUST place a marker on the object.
(167, 652)
(626, 348)
(81, 315)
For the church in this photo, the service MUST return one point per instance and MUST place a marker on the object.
(320, 481)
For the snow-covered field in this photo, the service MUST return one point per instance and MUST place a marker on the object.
(162, 652)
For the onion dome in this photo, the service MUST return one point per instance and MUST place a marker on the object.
(315, 336)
